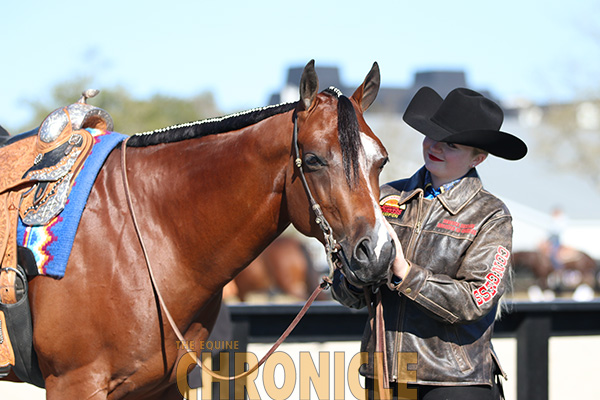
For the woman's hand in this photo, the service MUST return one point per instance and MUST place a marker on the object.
(400, 265)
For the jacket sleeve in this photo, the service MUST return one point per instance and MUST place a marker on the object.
(346, 294)
(479, 283)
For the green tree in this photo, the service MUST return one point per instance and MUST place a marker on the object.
(130, 115)
(568, 138)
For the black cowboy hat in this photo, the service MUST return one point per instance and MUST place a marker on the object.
(463, 117)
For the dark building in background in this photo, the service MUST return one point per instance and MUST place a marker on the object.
(389, 100)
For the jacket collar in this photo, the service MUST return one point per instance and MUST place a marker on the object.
(453, 199)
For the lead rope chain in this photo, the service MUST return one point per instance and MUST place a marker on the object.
(322, 286)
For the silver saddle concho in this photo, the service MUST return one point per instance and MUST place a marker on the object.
(62, 145)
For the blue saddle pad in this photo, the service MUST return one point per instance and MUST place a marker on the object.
(51, 244)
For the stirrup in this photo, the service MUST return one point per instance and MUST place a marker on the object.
(4, 371)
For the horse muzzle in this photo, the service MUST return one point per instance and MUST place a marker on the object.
(368, 261)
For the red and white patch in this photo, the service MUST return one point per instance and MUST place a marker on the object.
(391, 207)
(489, 289)
(457, 227)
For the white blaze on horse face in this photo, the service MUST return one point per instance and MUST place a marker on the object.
(372, 153)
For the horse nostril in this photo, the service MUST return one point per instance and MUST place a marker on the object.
(363, 252)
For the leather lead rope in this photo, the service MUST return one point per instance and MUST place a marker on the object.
(322, 286)
(378, 333)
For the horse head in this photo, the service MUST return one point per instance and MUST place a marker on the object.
(339, 159)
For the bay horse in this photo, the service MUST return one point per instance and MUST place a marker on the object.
(211, 196)
(577, 268)
(285, 267)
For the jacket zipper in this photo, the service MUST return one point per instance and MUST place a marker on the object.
(411, 247)
(412, 244)
(398, 345)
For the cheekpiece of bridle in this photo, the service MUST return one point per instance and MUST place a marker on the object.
(331, 245)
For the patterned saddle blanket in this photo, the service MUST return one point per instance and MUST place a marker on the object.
(51, 243)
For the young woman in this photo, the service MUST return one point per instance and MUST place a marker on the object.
(453, 243)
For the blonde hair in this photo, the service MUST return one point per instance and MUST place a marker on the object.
(477, 151)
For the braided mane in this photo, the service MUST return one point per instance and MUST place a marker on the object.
(212, 126)
(348, 132)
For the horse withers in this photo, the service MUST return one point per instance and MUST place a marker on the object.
(210, 196)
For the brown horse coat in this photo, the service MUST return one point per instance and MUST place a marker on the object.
(207, 205)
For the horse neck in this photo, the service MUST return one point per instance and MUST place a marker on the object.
(215, 201)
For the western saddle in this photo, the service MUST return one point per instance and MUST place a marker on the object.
(36, 175)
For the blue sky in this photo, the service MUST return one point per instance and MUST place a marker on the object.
(240, 50)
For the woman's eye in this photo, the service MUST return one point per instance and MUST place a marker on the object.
(451, 145)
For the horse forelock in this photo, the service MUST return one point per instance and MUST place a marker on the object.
(348, 135)
(211, 126)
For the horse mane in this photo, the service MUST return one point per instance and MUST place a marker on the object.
(212, 126)
(348, 132)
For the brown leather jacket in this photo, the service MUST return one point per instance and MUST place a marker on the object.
(458, 246)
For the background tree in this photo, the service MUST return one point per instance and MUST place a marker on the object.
(130, 115)
(567, 136)
(567, 133)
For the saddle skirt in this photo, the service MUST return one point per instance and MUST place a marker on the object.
(31, 187)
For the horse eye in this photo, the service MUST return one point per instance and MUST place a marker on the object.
(313, 162)
(384, 162)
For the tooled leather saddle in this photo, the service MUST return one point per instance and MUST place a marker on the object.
(37, 170)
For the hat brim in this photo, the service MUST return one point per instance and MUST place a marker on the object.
(424, 105)
(498, 143)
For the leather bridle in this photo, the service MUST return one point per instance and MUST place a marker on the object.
(331, 245)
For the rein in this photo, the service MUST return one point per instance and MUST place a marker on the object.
(331, 247)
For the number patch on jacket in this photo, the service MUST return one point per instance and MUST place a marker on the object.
(488, 290)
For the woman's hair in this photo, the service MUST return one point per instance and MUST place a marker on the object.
(504, 305)
(477, 151)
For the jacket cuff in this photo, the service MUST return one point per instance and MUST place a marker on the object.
(413, 281)
(393, 281)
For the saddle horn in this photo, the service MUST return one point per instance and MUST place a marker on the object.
(80, 115)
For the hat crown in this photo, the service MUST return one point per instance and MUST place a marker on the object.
(466, 110)
(463, 117)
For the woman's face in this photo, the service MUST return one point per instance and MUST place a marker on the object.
(448, 161)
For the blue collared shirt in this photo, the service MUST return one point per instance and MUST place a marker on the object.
(431, 192)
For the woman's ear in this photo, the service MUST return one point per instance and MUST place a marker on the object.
(478, 159)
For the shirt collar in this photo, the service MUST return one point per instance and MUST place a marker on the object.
(431, 192)
(453, 201)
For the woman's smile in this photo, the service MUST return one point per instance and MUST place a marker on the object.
(434, 158)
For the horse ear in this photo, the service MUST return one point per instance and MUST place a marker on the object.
(367, 92)
(309, 85)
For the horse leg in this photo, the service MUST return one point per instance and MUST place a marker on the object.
(76, 385)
